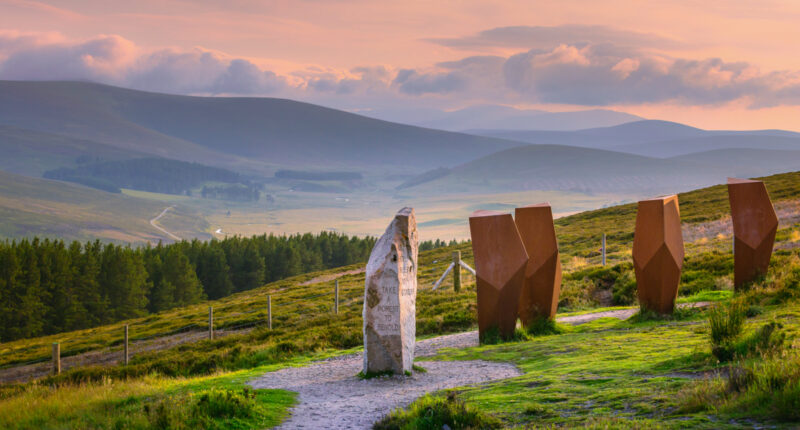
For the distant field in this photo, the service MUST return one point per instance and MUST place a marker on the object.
(439, 217)
(37, 207)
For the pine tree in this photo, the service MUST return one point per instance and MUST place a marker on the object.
(213, 272)
(123, 279)
(181, 275)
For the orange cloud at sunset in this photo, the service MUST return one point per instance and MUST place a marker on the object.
(711, 64)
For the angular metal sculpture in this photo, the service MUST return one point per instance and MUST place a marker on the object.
(754, 226)
(390, 296)
(539, 297)
(500, 262)
(658, 253)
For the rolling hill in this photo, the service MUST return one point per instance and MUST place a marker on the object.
(31, 206)
(569, 168)
(255, 134)
(746, 162)
(502, 117)
(655, 138)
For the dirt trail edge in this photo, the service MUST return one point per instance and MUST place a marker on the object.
(331, 396)
(162, 229)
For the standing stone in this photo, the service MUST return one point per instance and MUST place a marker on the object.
(390, 297)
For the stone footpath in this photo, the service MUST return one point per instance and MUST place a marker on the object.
(330, 396)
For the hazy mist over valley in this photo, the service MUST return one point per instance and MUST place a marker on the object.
(79, 133)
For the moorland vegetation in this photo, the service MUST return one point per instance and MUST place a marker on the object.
(711, 367)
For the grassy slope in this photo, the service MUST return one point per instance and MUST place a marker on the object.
(45, 208)
(32, 153)
(611, 373)
(305, 328)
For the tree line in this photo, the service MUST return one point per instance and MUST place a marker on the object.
(244, 193)
(49, 286)
(158, 175)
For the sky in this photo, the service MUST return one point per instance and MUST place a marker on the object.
(730, 64)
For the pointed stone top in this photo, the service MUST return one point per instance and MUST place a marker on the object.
(733, 181)
(483, 213)
(406, 211)
(538, 205)
(660, 198)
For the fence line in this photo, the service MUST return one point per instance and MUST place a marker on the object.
(340, 298)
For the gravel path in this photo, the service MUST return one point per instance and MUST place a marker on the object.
(619, 314)
(332, 397)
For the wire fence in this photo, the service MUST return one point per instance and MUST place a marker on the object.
(270, 312)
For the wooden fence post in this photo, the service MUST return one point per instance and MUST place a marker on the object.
(604, 249)
(56, 358)
(457, 271)
(269, 311)
(125, 358)
(336, 298)
(211, 322)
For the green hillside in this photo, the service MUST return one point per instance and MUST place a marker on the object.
(38, 207)
(608, 373)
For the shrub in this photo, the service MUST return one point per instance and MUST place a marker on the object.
(645, 315)
(543, 327)
(433, 413)
(492, 336)
(623, 292)
(726, 323)
(225, 403)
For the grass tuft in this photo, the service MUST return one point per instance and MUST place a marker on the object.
(544, 327)
(371, 375)
(436, 413)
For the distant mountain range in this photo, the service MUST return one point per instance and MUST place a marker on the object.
(79, 127)
(654, 138)
(253, 134)
(502, 117)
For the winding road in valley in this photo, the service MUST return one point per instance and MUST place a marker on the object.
(162, 229)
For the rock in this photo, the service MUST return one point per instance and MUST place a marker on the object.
(390, 297)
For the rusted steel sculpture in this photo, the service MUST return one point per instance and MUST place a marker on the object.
(539, 297)
(754, 227)
(658, 253)
(500, 262)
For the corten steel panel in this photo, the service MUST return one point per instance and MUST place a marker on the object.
(658, 253)
(500, 261)
(754, 226)
(539, 297)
